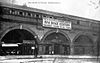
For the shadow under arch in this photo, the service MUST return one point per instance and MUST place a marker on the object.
(18, 27)
(56, 42)
(83, 44)
(23, 46)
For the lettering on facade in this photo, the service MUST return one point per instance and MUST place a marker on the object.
(22, 13)
(55, 23)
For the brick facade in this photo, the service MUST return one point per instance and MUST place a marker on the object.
(30, 19)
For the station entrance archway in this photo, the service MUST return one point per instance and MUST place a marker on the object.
(57, 44)
(18, 42)
(83, 45)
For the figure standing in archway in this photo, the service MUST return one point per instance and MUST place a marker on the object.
(36, 49)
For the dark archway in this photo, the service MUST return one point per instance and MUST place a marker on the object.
(17, 35)
(83, 45)
(18, 42)
(57, 43)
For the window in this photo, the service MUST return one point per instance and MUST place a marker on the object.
(78, 22)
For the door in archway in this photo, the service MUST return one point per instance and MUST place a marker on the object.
(56, 49)
(18, 42)
(57, 43)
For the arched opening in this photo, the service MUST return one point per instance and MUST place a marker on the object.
(83, 45)
(56, 43)
(18, 42)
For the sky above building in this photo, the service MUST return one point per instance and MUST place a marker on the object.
(82, 8)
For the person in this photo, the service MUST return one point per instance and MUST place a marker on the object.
(36, 51)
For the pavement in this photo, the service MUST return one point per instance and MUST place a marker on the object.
(48, 59)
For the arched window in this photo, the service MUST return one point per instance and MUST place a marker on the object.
(83, 45)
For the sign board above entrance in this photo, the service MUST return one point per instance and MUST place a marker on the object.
(55, 23)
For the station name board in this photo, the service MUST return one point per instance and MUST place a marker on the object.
(55, 23)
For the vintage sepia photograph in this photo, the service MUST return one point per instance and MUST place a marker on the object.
(49, 31)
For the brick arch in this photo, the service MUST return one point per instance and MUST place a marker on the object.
(55, 31)
(18, 27)
(61, 47)
(83, 48)
(82, 34)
